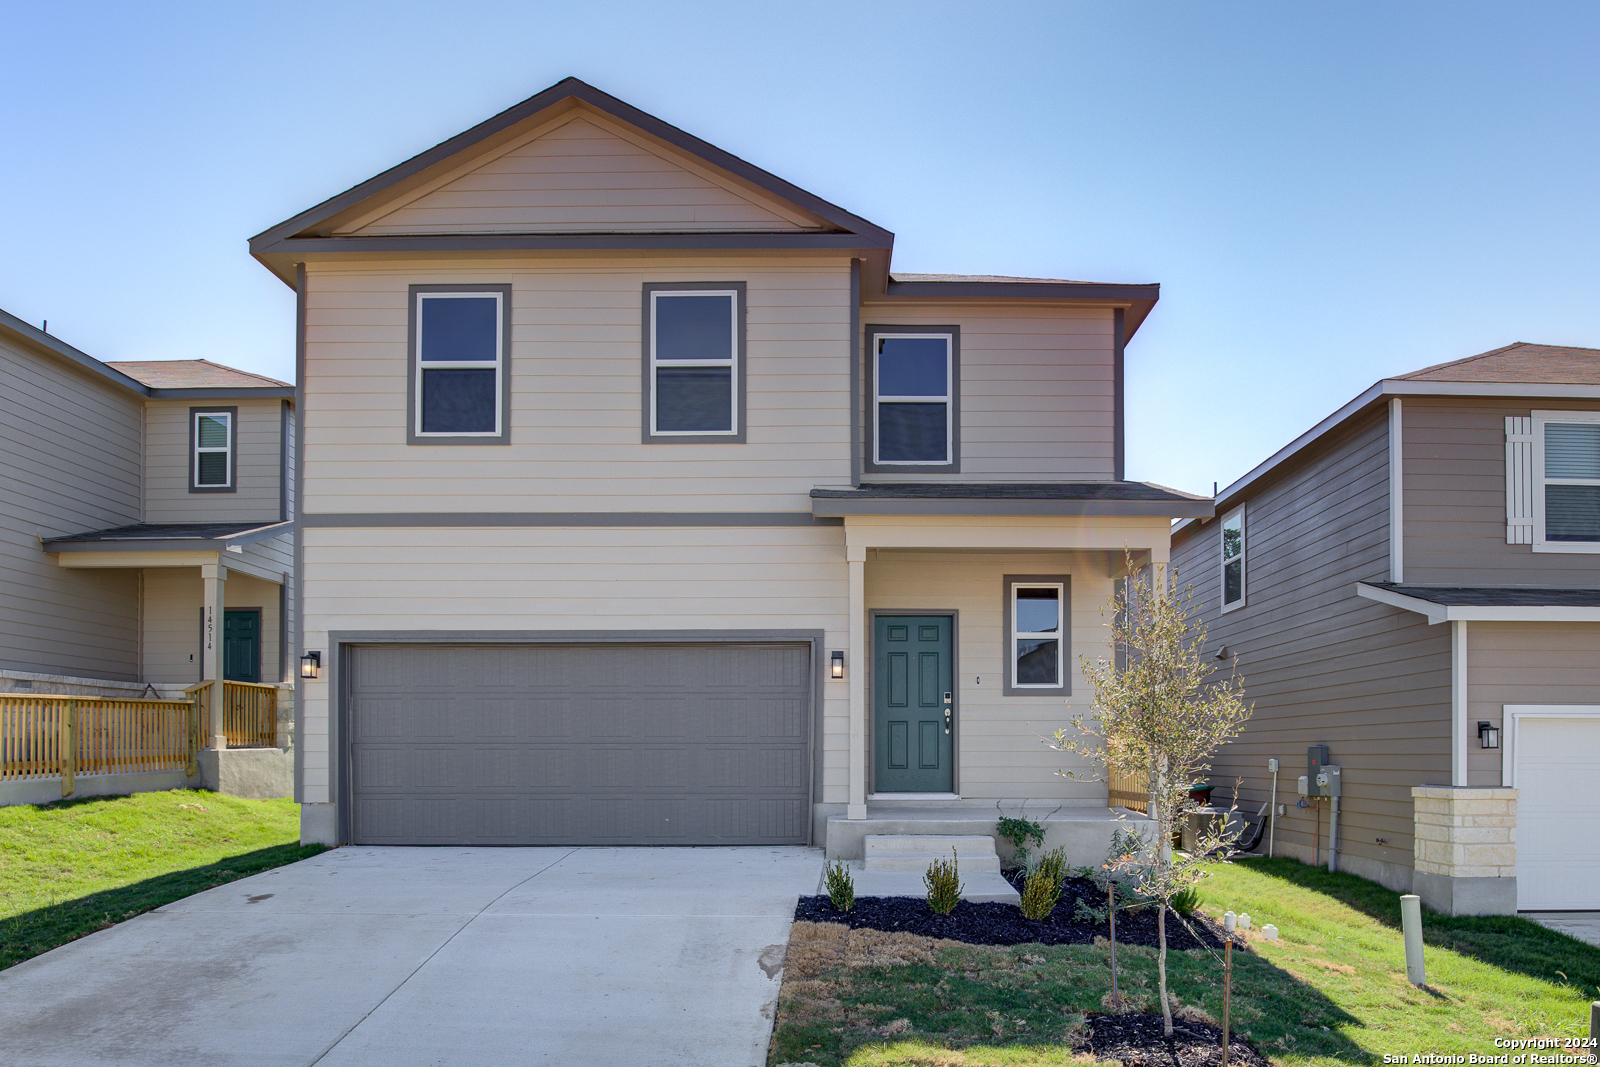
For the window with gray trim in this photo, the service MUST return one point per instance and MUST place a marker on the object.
(1038, 643)
(459, 339)
(693, 361)
(914, 375)
(1233, 559)
(213, 444)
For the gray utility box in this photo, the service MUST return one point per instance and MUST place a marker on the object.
(1316, 759)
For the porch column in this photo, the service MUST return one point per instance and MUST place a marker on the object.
(213, 576)
(856, 557)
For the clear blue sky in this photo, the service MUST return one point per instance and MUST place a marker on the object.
(1328, 194)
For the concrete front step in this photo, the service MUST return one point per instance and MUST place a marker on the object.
(980, 887)
(974, 853)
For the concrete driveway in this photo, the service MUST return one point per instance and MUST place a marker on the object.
(420, 956)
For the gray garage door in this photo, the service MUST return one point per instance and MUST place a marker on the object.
(579, 744)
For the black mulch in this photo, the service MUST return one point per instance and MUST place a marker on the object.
(1004, 924)
(1135, 1039)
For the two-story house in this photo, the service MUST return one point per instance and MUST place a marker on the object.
(1415, 584)
(644, 504)
(146, 541)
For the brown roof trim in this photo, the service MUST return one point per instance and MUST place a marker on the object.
(573, 88)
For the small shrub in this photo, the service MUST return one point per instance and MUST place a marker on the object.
(1185, 901)
(841, 886)
(1040, 893)
(944, 884)
(1022, 833)
(1053, 864)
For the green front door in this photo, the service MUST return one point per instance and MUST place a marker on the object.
(241, 645)
(913, 710)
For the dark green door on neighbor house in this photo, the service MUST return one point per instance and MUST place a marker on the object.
(913, 710)
(241, 645)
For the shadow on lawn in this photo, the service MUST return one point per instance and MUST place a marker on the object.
(1508, 942)
(34, 932)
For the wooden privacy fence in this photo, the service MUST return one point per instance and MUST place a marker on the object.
(1131, 791)
(65, 736)
(52, 736)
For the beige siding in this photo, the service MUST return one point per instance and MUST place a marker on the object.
(575, 579)
(1322, 665)
(167, 495)
(69, 463)
(585, 176)
(1455, 497)
(1037, 391)
(575, 393)
(1525, 663)
(1001, 754)
(172, 600)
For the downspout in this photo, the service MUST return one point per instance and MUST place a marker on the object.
(1397, 513)
(1333, 835)
(1118, 342)
(1272, 812)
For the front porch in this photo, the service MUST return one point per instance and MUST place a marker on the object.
(1025, 585)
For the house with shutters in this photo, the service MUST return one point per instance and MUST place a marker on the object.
(644, 503)
(146, 545)
(1414, 583)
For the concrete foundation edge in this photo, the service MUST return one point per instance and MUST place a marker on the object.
(1465, 896)
(48, 790)
(252, 773)
(319, 825)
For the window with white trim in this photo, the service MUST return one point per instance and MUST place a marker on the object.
(212, 436)
(694, 341)
(1233, 559)
(459, 345)
(1037, 649)
(1566, 482)
(914, 407)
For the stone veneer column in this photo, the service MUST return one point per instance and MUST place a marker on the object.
(1465, 850)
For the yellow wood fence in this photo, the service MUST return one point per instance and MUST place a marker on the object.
(1131, 791)
(50, 736)
(56, 736)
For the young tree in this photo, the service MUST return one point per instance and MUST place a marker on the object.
(1162, 710)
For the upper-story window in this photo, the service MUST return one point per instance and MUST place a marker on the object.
(1037, 613)
(213, 442)
(693, 358)
(460, 342)
(1233, 559)
(1567, 494)
(915, 375)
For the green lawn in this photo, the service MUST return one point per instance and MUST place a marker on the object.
(71, 868)
(1332, 990)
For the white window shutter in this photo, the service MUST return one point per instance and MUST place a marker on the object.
(1519, 480)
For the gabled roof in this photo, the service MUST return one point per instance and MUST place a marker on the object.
(1520, 362)
(140, 377)
(1552, 372)
(341, 225)
(193, 374)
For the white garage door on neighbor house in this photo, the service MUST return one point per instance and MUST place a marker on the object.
(1554, 756)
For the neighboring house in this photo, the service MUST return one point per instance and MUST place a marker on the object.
(643, 504)
(145, 504)
(1415, 583)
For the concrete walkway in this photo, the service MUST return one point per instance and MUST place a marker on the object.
(404, 957)
(1583, 925)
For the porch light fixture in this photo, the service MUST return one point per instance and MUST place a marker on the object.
(836, 663)
(1488, 735)
(311, 665)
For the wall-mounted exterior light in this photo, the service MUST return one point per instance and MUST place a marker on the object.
(836, 663)
(311, 665)
(1488, 735)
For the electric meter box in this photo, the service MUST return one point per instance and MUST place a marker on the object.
(1316, 759)
(1328, 781)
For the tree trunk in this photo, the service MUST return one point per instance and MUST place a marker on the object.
(1161, 970)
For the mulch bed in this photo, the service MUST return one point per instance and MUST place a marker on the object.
(1004, 924)
(1135, 1039)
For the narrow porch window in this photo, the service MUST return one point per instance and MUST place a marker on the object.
(1036, 628)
